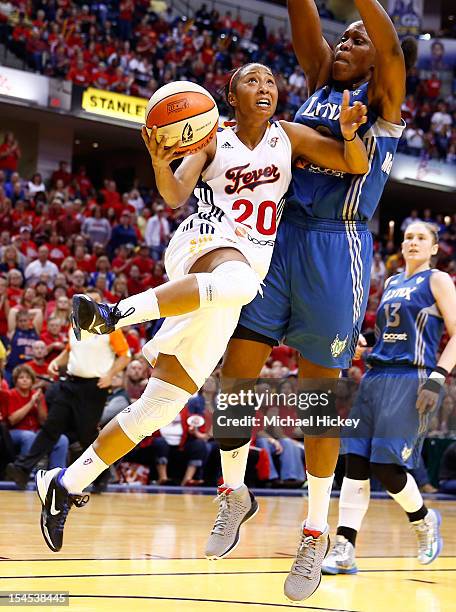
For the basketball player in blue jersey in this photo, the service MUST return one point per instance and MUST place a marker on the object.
(316, 290)
(397, 398)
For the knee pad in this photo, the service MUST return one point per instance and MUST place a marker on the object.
(157, 407)
(232, 283)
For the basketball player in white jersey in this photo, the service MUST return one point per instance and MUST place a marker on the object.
(215, 261)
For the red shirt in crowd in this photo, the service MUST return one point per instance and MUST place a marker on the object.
(14, 295)
(16, 401)
(40, 369)
(79, 76)
(9, 162)
(57, 252)
(433, 88)
(145, 264)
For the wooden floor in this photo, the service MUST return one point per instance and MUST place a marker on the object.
(145, 552)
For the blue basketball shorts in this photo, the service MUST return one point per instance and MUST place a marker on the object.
(316, 290)
(390, 429)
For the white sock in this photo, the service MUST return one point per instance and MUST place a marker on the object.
(234, 463)
(353, 502)
(145, 307)
(319, 496)
(83, 471)
(410, 498)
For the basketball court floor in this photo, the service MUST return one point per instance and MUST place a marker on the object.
(139, 552)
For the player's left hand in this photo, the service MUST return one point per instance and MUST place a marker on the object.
(429, 395)
(351, 117)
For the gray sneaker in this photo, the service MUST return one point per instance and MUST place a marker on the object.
(427, 532)
(305, 574)
(235, 507)
(341, 559)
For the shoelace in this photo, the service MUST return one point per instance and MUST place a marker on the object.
(115, 315)
(223, 513)
(73, 500)
(305, 558)
(424, 533)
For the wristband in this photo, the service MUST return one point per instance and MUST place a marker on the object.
(349, 139)
(441, 371)
(433, 384)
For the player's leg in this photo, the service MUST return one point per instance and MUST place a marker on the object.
(185, 360)
(321, 454)
(425, 522)
(400, 432)
(329, 287)
(355, 492)
(219, 279)
(167, 391)
(353, 504)
(241, 366)
(261, 325)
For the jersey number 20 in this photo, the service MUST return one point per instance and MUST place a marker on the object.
(266, 222)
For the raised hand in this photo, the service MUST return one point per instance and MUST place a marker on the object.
(351, 117)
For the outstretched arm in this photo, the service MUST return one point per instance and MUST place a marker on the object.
(175, 188)
(387, 89)
(314, 54)
(348, 156)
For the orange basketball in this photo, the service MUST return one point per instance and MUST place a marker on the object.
(183, 111)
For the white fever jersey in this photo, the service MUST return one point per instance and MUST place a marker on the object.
(240, 198)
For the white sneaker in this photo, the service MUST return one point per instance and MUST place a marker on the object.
(427, 532)
(341, 559)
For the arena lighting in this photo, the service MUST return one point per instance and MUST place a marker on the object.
(77, 141)
(425, 37)
(391, 229)
(95, 145)
(447, 220)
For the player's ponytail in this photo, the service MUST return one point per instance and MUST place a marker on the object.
(410, 51)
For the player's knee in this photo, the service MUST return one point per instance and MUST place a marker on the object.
(357, 467)
(232, 283)
(157, 407)
(393, 477)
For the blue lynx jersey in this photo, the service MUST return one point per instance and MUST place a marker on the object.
(409, 325)
(331, 194)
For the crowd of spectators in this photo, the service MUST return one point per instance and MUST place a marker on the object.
(59, 235)
(431, 120)
(135, 47)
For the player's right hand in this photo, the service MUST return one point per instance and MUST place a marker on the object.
(161, 155)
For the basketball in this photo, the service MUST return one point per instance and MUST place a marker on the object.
(183, 111)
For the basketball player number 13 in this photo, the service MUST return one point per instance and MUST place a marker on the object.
(393, 318)
(266, 222)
